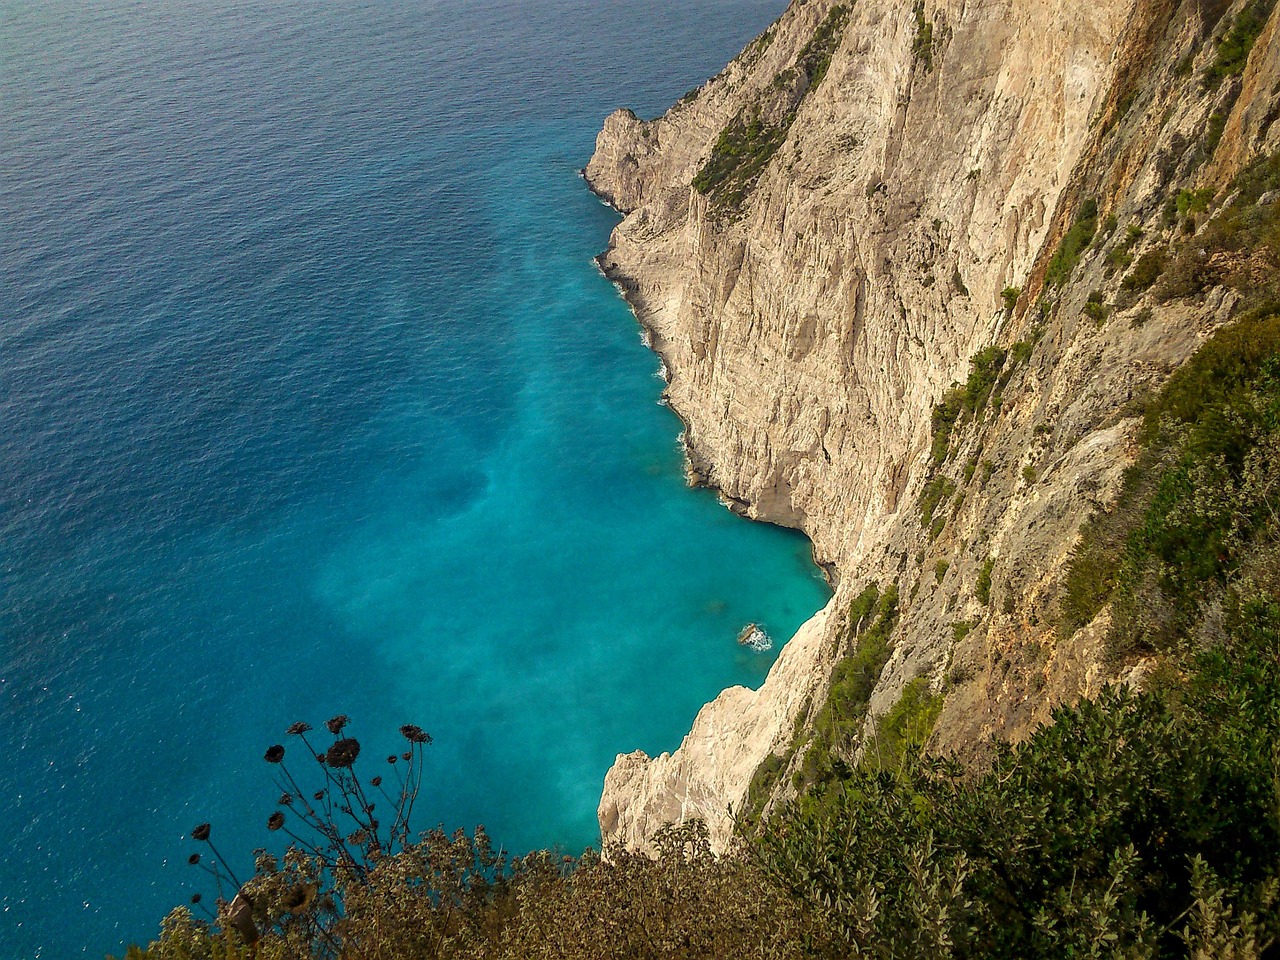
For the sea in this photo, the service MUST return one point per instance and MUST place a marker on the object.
(313, 401)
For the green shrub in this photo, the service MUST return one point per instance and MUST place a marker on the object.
(1092, 838)
(748, 142)
(815, 58)
(1010, 297)
(940, 570)
(1073, 245)
(983, 586)
(1120, 257)
(964, 401)
(740, 154)
(1190, 202)
(1147, 271)
(922, 45)
(1190, 510)
(1233, 247)
(1237, 43)
(901, 733)
(935, 493)
(1096, 309)
(839, 722)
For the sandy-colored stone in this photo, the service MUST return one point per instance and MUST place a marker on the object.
(808, 340)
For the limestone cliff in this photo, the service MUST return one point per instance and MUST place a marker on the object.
(822, 237)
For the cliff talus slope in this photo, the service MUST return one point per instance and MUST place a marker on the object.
(823, 237)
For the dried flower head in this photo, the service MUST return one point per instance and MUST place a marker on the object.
(193, 859)
(200, 833)
(406, 755)
(274, 754)
(286, 799)
(298, 729)
(392, 759)
(318, 795)
(196, 898)
(343, 753)
(335, 724)
(414, 733)
(375, 781)
(275, 821)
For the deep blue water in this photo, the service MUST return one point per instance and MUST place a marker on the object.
(312, 401)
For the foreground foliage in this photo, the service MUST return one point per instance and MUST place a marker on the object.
(1136, 825)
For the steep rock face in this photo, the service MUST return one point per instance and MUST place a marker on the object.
(810, 323)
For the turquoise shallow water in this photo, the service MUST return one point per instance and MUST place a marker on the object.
(316, 403)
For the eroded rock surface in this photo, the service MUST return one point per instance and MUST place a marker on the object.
(810, 329)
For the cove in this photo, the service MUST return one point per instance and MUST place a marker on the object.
(315, 403)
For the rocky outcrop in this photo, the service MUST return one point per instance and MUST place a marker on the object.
(914, 169)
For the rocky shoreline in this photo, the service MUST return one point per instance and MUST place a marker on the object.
(911, 176)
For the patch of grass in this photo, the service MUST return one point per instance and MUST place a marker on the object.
(940, 570)
(1029, 474)
(1073, 245)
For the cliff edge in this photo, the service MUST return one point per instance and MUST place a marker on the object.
(878, 256)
